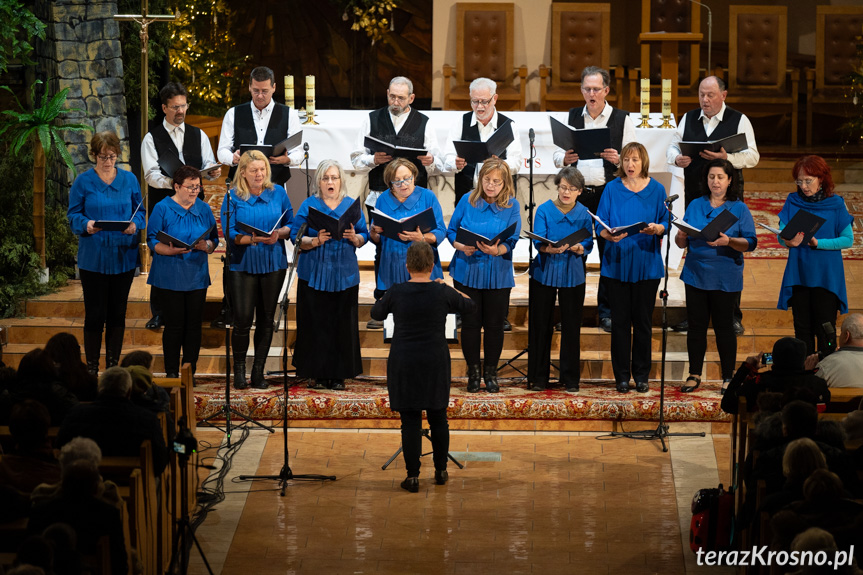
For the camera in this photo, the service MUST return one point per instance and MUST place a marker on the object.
(184, 442)
(766, 358)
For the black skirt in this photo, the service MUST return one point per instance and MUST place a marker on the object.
(328, 335)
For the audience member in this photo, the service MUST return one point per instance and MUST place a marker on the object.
(801, 458)
(36, 551)
(814, 540)
(830, 432)
(64, 543)
(844, 367)
(31, 461)
(37, 378)
(853, 425)
(65, 351)
(79, 449)
(138, 357)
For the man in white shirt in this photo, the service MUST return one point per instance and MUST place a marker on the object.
(400, 125)
(170, 144)
(598, 113)
(844, 367)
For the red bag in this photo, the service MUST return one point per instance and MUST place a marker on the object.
(712, 527)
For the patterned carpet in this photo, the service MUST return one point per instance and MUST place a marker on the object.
(366, 398)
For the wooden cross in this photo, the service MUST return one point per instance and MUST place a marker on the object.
(144, 20)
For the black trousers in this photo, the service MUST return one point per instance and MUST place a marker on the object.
(812, 307)
(491, 308)
(412, 439)
(632, 306)
(105, 298)
(183, 313)
(541, 330)
(589, 198)
(256, 294)
(702, 306)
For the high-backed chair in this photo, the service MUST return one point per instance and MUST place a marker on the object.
(758, 49)
(580, 37)
(484, 48)
(836, 31)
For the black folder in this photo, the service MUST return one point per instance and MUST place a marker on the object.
(470, 238)
(169, 164)
(376, 145)
(318, 220)
(252, 230)
(803, 221)
(269, 150)
(424, 220)
(588, 143)
(478, 152)
(575, 237)
(710, 232)
(117, 225)
(167, 239)
(629, 230)
(732, 144)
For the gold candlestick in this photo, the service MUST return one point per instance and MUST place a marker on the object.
(666, 104)
(645, 103)
(310, 101)
(289, 91)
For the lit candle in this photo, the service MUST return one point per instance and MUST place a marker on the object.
(666, 97)
(310, 94)
(645, 96)
(289, 91)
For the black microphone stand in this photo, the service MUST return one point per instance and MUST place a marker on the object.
(306, 161)
(661, 431)
(286, 474)
(226, 409)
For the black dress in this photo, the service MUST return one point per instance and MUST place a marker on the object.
(418, 368)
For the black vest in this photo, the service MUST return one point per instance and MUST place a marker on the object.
(412, 135)
(464, 179)
(693, 131)
(614, 124)
(277, 130)
(166, 148)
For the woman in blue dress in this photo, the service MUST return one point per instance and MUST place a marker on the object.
(558, 273)
(632, 265)
(713, 271)
(106, 259)
(814, 281)
(484, 271)
(179, 276)
(258, 262)
(328, 279)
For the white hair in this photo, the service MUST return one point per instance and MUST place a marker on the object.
(480, 83)
(115, 382)
(404, 82)
(80, 448)
(853, 325)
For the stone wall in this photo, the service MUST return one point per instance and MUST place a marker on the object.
(82, 52)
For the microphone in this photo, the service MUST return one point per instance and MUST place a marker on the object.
(531, 135)
(830, 332)
(302, 232)
(670, 199)
(305, 150)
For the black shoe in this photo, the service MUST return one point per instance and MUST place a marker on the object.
(572, 388)
(605, 324)
(474, 377)
(218, 323)
(558, 326)
(506, 325)
(623, 387)
(172, 375)
(240, 381)
(539, 386)
(441, 477)
(411, 484)
(374, 324)
(642, 387)
(93, 368)
(490, 377)
(318, 384)
(682, 326)
(154, 323)
(691, 388)
(258, 381)
(725, 383)
(738, 328)
(337, 384)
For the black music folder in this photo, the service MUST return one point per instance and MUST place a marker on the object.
(629, 230)
(575, 237)
(478, 152)
(470, 238)
(318, 220)
(169, 164)
(732, 144)
(117, 225)
(424, 220)
(710, 232)
(252, 230)
(269, 150)
(168, 239)
(588, 143)
(376, 145)
(803, 221)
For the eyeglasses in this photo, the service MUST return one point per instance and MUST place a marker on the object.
(592, 90)
(107, 157)
(491, 183)
(179, 107)
(805, 181)
(195, 189)
(395, 98)
(400, 183)
(567, 189)
(331, 179)
(480, 102)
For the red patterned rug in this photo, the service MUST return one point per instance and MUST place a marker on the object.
(366, 398)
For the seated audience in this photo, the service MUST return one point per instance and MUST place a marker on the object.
(814, 540)
(31, 461)
(801, 458)
(79, 449)
(844, 367)
(38, 378)
(64, 349)
(140, 357)
(853, 425)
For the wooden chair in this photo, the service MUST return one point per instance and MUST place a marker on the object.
(580, 37)
(836, 32)
(484, 48)
(758, 50)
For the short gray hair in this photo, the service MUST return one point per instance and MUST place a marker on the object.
(404, 82)
(480, 83)
(594, 71)
(853, 325)
(572, 176)
(115, 382)
(319, 176)
(80, 448)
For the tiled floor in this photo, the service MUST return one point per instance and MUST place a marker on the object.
(556, 502)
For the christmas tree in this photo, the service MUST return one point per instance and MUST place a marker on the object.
(854, 126)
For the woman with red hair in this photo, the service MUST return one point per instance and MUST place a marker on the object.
(814, 281)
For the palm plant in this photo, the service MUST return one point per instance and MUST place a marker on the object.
(40, 126)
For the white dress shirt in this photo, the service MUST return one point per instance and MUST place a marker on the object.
(262, 121)
(150, 159)
(513, 151)
(746, 159)
(363, 159)
(593, 170)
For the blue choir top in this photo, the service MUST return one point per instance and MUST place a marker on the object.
(261, 212)
(92, 199)
(566, 269)
(332, 266)
(811, 267)
(482, 271)
(392, 269)
(636, 257)
(717, 268)
(182, 272)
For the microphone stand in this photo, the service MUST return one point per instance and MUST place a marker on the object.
(661, 431)
(226, 409)
(286, 474)
(306, 161)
